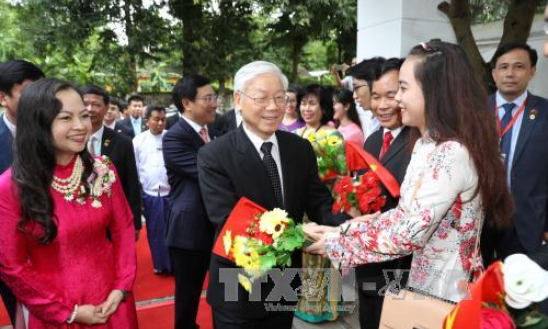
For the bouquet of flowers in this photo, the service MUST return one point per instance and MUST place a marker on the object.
(330, 153)
(362, 193)
(258, 240)
(504, 297)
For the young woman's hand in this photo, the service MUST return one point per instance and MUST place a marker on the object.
(90, 315)
(110, 305)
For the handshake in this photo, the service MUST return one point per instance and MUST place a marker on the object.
(318, 233)
(97, 314)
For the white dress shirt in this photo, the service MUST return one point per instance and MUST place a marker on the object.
(238, 116)
(394, 132)
(197, 127)
(98, 136)
(111, 126)
(150, 163)
(258, 142)
(518, 102)
(10, 125)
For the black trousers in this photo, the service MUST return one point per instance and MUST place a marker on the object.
(9, 301)
(190, 268)
(225, 319)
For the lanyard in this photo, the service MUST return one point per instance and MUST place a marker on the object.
(511, 123)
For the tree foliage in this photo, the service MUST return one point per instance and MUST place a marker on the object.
(518, 18)
(109, 42)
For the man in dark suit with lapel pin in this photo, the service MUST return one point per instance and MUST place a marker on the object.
(189, 231)
(523, 122)
(134, 123)
(119, 149)
(390, 145)
(14, 76)
(271, 168)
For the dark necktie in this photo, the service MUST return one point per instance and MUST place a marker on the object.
(506, 140)
(272, 171)
(386, 144)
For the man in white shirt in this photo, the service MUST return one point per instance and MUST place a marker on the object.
(153, 178)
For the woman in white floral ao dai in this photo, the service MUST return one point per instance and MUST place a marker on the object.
(454, 182)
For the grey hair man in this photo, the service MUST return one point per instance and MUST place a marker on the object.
(271, 168)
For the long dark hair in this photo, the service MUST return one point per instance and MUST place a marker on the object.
(34, 158)
(455, 109)
(345, 97)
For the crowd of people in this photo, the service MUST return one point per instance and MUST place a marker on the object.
(77, 179)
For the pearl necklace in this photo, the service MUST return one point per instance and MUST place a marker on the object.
(68, 186)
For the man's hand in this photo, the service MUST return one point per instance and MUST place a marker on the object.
(110, 305)
(90, 315)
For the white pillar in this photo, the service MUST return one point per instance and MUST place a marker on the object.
(390, 28)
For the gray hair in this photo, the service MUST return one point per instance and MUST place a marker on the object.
(250, 71)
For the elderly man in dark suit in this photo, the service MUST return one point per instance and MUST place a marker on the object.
(523, 120)
(271, 168)
(119, 148)
(390, 145)
(189, 232)
(14, 76)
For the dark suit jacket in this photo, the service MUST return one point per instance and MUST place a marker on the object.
(188, 225)
(6, 146)
(172, 120)
(230, 168)
(396, 161)
(121, 128)
(540, 256)
(119, 149)
(529, 179)
(129, 126)
(226, 122)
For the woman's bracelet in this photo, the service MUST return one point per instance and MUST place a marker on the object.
(124, 295)
(73, 314)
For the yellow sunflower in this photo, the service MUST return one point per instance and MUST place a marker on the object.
(273, 222)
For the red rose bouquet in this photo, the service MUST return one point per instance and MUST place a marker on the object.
(362, 193)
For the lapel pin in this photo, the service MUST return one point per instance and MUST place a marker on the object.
(107, 142)
(533, 114)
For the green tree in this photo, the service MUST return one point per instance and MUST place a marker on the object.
(517, 26)
(296, 22)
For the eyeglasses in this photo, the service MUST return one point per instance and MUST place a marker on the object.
(264, 101)
(209, 98)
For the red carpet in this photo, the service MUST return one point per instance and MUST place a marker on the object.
(149, 286)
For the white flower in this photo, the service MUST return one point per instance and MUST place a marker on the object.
(273, 222)
(525, 281)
